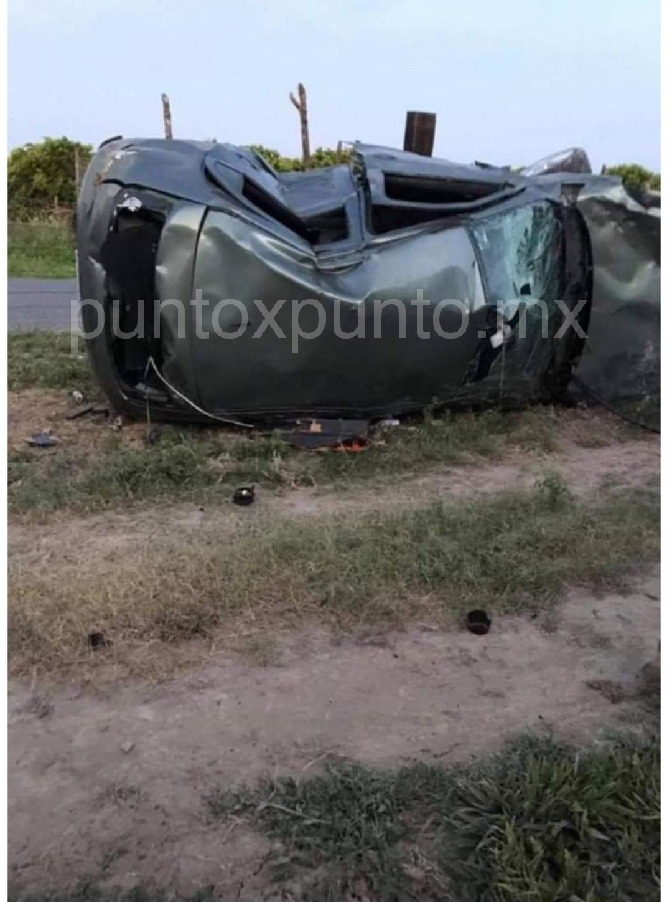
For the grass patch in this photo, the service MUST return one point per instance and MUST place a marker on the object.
(182, 465)
(86, 483)
(204, 464)
(42, 359)
(541, 822)
(505, 552)
(451, 438)
(40, 250)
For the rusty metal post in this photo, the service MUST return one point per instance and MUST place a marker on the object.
(419, 134)
(302, 106)
(167, 118)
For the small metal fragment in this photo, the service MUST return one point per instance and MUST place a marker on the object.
(42, 440)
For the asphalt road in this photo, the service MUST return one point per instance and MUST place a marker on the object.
(40, 303)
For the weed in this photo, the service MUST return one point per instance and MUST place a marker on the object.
(541, 821)
(553, 488)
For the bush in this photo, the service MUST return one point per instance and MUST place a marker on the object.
(635, 176)
(321, 157)
(37, 174)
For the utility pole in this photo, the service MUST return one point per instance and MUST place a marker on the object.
(167, 119)
(302, 106)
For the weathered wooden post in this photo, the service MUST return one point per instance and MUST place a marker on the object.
(419, 134)
(302, 106)
(167, 119)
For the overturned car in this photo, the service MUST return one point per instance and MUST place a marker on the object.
(214, 288)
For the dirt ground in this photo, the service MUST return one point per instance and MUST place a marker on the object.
(109, 782)
(113, 783)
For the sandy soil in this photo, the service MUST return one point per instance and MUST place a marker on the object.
(111, 785)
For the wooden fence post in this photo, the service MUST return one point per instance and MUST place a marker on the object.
(167, 119)
(302, 106)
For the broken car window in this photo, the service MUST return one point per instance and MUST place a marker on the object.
(521, 253)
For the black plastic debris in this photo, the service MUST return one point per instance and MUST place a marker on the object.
(93, 409)
(82, 411)
(244, 496)
(478, 622)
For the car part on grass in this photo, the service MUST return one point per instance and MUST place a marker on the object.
(42, 440)
(244, 496)
(190, 225)
(350, 445)
(478, 622)
(80, 412)
(92, 409)
(315, 433)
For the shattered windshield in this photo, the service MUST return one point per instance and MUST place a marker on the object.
(521, 253)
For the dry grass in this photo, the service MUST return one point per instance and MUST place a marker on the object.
(505, 552)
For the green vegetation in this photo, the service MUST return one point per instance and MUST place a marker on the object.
(41, 359)
(505, 552)
(201, 464)
(41, 194)
(635, 176)
(323, 156)
(40, 250)
(42, 173)
(541, 822)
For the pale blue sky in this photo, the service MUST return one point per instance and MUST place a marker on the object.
(509, 81)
